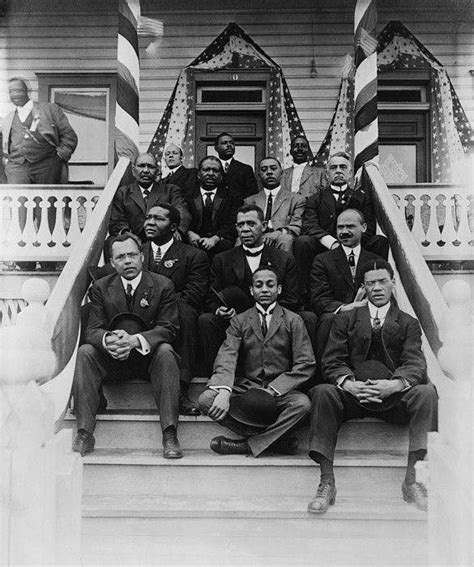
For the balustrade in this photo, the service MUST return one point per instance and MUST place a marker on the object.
(440, 217)
(42, 222)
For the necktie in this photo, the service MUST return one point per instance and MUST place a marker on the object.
(129, 295)
(352, 264)
(268, 213)
(377, 322)
(158, 255)
(264, 325)
(226, 167)
(252, 253)
(208, 202)
(146, 193)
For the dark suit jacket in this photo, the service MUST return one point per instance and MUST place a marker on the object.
(185, 178)
(230, 268)
(319, 217)
(188, 269)
(224, 212)
(285, 353)
(240, 181)
(129, 209)
(350, 339)
(154, 301)
(331, 279)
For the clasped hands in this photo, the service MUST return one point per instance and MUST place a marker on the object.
(372, 390)
(206, 243)
(119, 344)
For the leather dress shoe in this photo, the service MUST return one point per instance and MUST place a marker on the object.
(171, 446)
(416, 493)
(325, 497)
(225, 446)
(84, 442)
(186, 406)
(285, 445)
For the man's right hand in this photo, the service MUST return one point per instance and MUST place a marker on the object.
(194, 238)
(353, 305)
(362, 391)
(220, 405)
(226, 312)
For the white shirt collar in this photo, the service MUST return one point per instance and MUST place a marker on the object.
(225, 161)
(274, 192)
(261, 310)
(172, 170)
(348, 250)
(256, 249)
(143, 189)
(339, 188)
(212, 191)
(381, 312)
(163, 247)
(24, 111)
(134, 283)
(300, 165)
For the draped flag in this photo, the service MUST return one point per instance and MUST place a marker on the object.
(452, 136)
(232, 49)
(366, 131)
(128, 80)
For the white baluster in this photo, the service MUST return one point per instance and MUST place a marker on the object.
(89, 206)
(417, 230)
(450, 234)
(44, 234)
(463, 233)
(29, 232)
(59, 234)
(74, 230)
(14, 232)
(433, 234)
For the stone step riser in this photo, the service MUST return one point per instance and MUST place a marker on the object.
(371, 481)
(198, 434)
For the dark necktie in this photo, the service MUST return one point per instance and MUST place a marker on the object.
(226, 167)
(158, 255)
(252, 253)
(264, 315)
(208, 203)
(377, 325)
(268, 213)
(129, 295)
(352, 264)
(146, 194)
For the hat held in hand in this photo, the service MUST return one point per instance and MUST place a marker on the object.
(255, 407)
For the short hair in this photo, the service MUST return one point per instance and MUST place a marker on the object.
(270, 157)
(145, 154)
(378, 264)
(247, 208)
(360, 214)
(123, 238)
(181, 153)
(20, 80)
(219, 136)
(213, 158)
(173, 213)
(266, 269)
(344, 155)
(298, 137)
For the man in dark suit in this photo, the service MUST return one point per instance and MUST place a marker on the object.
(239, 178)
(131, 202)
(335, 276)
(212, 210)
(321, 211)
(233, 269)
(274, 353)
(184, 177)
(140, 296)
(375, 367)
(188, 269)
(302, 177)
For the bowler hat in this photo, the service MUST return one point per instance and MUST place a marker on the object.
(129, 322)
(234, 296)
(255, 407)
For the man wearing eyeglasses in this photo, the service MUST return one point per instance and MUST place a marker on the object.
(132, 323)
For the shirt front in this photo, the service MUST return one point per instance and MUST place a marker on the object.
(380, 312)
(211, 194)
(145, 191)
(296, 179)
(225, 164)
(273, 193)
(24, 111)
(163, 247)
(253, 260)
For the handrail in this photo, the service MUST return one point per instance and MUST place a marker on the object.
(63, 305)
(418, 282)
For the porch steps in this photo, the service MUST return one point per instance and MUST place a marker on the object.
(208, 509)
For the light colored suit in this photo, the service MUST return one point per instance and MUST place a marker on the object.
(311, 179)
(282, 359)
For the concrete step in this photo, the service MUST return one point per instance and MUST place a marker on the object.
(124, 430)
(141, 472)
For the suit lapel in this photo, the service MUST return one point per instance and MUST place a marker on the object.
(275, 322)
(117, 295)
(343, 266)
(239, 262)
(136, 195)
(391, 328)
(260, 201)
(255, 324)
(198, 205)
(281, 198)
(216, 204)
(305, 175)
(171, 254)
(328, 205)
(144, 291)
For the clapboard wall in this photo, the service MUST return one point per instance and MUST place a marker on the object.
(80, 35)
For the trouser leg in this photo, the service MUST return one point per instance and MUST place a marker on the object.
(294, 407)
(305, 249)
(325, 322)
(164, 377)
(91, 368)
(186, 341)
(211, 334)
(310, 320)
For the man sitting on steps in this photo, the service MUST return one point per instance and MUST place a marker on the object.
(149, 302)
(375, 367)
(258, 399)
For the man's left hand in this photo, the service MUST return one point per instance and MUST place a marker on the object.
(124, 344)
(208, 243)
(384, 388)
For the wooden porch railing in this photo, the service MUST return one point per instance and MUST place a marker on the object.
(440, 217)
(42, 222)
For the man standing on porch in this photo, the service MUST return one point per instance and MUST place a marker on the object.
(239, 178)
(375, 367)
(302, 177)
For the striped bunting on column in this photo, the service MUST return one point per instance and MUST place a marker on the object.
(126, 113)
(365, 91)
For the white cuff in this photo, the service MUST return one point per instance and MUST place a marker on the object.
(217, 388)
(327, 241)
(144, 345)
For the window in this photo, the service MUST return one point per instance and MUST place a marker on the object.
(89, 103)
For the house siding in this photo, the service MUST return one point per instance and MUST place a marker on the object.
(77, 36)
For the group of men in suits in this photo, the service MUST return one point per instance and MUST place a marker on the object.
(271, 362)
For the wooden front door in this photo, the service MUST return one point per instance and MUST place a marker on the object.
(246, 127)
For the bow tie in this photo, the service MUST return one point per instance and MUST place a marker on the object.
(250, 253)
(337, 192)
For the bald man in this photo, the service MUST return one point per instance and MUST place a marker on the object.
(184, 177)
